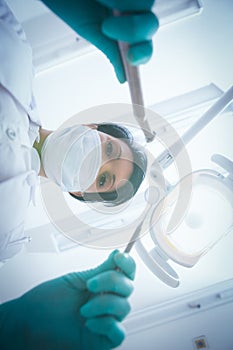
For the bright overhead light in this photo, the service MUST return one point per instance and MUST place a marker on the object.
(173, 10)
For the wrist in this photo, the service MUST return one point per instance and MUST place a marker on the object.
(10, 326)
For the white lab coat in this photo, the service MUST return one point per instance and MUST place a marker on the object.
(19, 127)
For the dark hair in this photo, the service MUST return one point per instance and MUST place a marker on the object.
(127, 191)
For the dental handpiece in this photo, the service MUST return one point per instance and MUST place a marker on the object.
(133, 78)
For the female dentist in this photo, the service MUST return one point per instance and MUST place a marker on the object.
(80, 310)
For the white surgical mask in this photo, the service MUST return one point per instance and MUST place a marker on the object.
(71, 157)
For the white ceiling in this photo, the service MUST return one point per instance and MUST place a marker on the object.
(187, 55)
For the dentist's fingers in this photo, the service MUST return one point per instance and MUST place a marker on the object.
(110, 282)
(132, 28)
(108, 327)
(106, 304)
(126, 264)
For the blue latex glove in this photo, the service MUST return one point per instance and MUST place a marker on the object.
(94, 21)
(77, 311)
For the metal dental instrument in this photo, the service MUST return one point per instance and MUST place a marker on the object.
(151, 196)
(136, 234)
(133, 79)
(133, 238)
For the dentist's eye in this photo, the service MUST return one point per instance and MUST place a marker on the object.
(102, 180)
(112, 150)
(105, 181)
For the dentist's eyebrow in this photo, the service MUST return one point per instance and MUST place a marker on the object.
(113, 182)
(119, 155)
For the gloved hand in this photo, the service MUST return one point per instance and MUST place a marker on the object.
(77, 311)
(94, 21)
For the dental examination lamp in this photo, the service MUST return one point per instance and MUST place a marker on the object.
(208, 216)
(210, 188)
